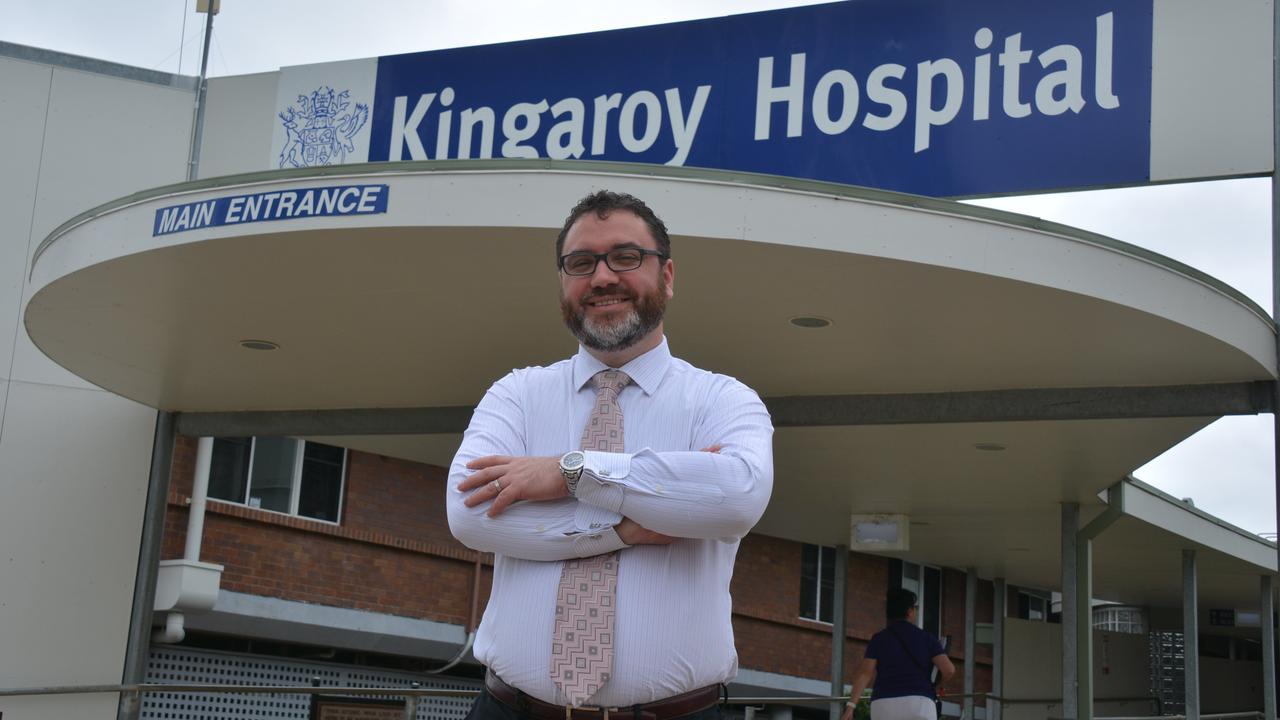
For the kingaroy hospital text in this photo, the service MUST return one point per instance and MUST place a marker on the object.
(837, 104)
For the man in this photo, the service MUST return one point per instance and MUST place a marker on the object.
(638, 469)
(901, 659)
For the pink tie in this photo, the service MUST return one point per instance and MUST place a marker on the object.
(582, 645)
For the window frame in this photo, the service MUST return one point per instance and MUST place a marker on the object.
(1033, 595)
(922, 594)
(295, 482)
(818, 579)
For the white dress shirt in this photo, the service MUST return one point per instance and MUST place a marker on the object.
(673, 631)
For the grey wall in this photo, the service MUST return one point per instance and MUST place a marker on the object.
(238, 121)
(1033, 669)
(73, 458)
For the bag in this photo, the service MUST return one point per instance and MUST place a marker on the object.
(928, 675)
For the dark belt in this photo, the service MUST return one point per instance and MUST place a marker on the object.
(668, 709)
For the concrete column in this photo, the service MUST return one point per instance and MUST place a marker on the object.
(998, 614)
(970, 638)
(837, 629)
(144, 584)
(1268, 649)
(1191, 634)
(1070, 521)
(199, 498)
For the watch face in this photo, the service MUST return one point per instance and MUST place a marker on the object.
(573, 460)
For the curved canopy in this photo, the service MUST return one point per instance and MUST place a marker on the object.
(427, 303)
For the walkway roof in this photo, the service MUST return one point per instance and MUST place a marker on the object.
(426, 304)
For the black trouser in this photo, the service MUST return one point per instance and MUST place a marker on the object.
(487, 707)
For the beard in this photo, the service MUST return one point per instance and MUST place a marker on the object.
(620, 331)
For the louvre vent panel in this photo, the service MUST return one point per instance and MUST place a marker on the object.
(189, 666)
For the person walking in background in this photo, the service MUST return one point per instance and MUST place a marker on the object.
(901, 659)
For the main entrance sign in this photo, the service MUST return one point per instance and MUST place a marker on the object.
(922, 96)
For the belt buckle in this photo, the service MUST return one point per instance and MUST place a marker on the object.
(604, 711)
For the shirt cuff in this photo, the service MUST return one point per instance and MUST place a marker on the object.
(601, 481)
(597, 543)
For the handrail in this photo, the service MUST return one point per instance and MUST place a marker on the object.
(320, 690)
(1042, 700)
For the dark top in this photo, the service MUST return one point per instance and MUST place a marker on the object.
(898, 675)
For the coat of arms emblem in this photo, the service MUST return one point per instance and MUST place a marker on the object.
(319, 129)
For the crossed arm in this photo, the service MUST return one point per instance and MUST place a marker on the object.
(502, 500)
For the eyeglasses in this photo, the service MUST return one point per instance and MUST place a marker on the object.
(618, 260)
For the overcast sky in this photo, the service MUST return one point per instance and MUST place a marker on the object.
(1221, 228)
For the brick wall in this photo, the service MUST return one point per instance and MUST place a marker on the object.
(392, 553)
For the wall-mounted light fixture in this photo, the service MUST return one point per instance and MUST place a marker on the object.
(879, 533)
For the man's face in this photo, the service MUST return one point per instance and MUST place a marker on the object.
(610, 311)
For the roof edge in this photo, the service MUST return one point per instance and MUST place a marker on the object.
(834, 190)
(93, 65)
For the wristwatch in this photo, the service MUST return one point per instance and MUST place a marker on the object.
(571, 464)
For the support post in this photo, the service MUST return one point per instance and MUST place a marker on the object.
(199, 498)
(1070, 521)
(838, 601)
(999, 611)
(970, 639)
(411, 703)
(1268, 649)
(144, 584)
(1084, 597)
(1275, 255)
(202, 87)
(1190, 635)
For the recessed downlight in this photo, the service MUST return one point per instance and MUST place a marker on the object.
(258, 345)
(810, 321)
(988, 446)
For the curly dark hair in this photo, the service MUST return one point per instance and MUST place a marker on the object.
(603, 202)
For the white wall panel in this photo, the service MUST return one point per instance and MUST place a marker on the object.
(105, 138)
(62, 707)
(1033, 669)
(73, 470)
(22, 105)
(1230, 685)
(239, 117)
(1211, 88)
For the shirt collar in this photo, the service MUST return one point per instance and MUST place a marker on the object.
(646, 371)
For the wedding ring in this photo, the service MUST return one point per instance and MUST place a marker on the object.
(497, 486)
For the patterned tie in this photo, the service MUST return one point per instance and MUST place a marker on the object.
(582, 645)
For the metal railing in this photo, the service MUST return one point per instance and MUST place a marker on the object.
(131, 695)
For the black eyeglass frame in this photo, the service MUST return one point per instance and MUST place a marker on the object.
(662, 257)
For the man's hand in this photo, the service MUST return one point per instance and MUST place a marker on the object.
(504, 480)
(632, 533)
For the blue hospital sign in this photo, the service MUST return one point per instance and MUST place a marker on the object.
(277, 205)
(922, 96)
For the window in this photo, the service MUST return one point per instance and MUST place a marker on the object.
(284, 475)
(926, 583)
(1120, 619)
(817, 582)
(1032, 607)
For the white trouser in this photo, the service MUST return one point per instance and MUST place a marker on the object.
(911, 707)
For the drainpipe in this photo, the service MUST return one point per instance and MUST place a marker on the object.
(174, 623)
(472, 622)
